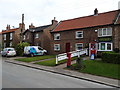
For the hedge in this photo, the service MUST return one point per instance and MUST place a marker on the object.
(111, 57)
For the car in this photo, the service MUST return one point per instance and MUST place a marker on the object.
(34, 51)
(8, 52)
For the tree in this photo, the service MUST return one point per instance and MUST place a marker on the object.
(20, 48)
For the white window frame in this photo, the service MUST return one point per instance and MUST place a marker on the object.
(11, 36)
(99, 46)
(55, 47)
(77, 44)
(76, 34)
(36, 35)
(4, 35)
(24, 37)
(102, 29)
(57, 35)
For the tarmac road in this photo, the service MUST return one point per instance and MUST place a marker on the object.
(16, 76)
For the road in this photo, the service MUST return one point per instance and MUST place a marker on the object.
(16, 76)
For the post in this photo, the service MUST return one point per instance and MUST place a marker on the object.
(56, 59)
(69, 59)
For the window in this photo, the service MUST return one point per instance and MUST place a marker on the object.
(56, 47)
(79, 46)
(79, 34)
(10, 44)
(24, 37)
(4, 36)
(57, 36)
(105, 47)
(36, 35)
(105, 32)
(11, 36)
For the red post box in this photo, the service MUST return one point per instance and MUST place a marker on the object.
(69, 59)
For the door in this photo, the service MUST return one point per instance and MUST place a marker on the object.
(67, 47)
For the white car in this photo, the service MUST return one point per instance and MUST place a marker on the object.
(8, 52)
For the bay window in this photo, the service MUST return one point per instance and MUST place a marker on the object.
(105, 46)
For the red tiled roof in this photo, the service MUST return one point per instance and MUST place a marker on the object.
(8, 31)
(87, 21)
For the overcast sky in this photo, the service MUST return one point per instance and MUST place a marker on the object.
(41, 12)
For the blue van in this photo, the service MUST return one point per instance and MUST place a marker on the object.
(34, 51)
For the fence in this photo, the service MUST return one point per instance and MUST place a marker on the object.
(63, 56)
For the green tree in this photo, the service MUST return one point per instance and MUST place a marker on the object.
(20, 48)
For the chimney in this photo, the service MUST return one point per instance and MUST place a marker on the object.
(8, 27)
(95, 12)
(22, 26)
(31, 26)
(54, 22)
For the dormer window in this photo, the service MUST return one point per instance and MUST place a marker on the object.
(57, 36)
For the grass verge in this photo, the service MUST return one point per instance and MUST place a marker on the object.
(101, 69)
(30, 59)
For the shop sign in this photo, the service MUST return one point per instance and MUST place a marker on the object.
(105, 39)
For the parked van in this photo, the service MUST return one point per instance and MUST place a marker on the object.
(34, 50)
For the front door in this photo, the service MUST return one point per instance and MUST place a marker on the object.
(67, 47)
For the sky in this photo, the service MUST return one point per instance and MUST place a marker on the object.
(41, 12)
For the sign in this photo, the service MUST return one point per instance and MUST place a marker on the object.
(105, 39)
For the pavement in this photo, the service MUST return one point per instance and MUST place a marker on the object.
(60, 70)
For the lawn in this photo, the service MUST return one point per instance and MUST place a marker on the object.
(101, 69)
(30, 59)
(52, 62)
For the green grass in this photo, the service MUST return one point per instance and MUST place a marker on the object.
(30, 59)
(52, 62)
(101, 69)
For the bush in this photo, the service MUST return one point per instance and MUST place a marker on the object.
(111, 57)
(20, 48)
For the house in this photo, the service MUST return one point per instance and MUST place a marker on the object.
(100, 31)
(40, 36)
(11, 37)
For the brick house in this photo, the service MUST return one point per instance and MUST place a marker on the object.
(100, 31)
(40, 36)
(11, 37)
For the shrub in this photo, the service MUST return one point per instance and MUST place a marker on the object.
(111, 57)
(20, 48)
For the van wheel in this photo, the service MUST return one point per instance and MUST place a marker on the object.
(32, 55)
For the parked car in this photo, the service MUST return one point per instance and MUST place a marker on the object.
(8, 52)
(34, 51)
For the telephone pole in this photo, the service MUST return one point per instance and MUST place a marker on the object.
(21, 35)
